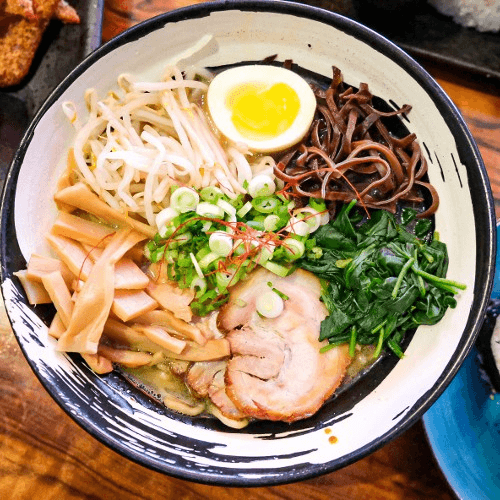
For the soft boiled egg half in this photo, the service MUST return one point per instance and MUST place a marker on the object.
(269, 108)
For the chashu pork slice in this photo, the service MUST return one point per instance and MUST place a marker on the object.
(276, 371)
(206, 378)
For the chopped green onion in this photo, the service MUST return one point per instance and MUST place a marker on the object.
(256, 224)
(266, 253)
(202, 252)
(184, 199)
(225, 278)
(239, 247)
(317, 204)
(157, 254)
(272, 222)
(171, 256)
(181, 239)
(184, 260)
(275, 290)
(294, 249)
(277, 269)
(299, 227)
(165, 216)
(208, 259)
(315, 253)
(237, 202)
(220, 243)
(265, 204)
(211, 194)
(269, 304)
(196, 265)
(206, 209)
(167, 230)
(311, 217)
(150, 246)
(244, 209)
(261, 185)
(313, 222)
(207, 224)
(324, 218)
(199, 285)
(227, 207)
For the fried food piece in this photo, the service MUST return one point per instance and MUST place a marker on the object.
(18, 43)
(45, 9)
(21, 33)
(22, 8)
(66, 13)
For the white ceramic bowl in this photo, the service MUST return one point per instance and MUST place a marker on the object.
(383, 403)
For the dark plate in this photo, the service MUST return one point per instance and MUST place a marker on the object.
(423, 32)
(62, 48)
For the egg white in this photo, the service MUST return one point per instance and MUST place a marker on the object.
(225, 82)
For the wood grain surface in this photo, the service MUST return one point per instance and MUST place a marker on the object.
(44, 455)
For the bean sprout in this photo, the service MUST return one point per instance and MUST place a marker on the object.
(148, 136)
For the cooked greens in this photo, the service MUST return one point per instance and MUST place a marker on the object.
(380, 279)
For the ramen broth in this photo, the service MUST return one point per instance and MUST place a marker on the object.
(119, 161)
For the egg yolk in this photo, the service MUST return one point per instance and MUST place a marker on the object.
(260, 111)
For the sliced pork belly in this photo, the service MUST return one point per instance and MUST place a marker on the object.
(201, 375)
(206, 378)
(276, 371)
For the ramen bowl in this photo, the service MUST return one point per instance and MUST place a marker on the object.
(394, 393)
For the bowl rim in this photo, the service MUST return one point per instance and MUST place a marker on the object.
(458, 128)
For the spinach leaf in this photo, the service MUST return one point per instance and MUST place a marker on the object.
(379, 278)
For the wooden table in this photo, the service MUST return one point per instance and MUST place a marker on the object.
(45, 455)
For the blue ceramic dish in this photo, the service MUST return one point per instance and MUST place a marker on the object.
(463, 426)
